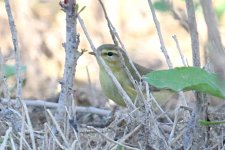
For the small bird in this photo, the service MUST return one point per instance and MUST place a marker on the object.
(110, 54)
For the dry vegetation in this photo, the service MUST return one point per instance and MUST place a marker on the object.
(61, 107)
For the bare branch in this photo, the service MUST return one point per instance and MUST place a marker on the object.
(6, 138)
(193, 32)
(194, 135)
(179, 49)
(30, 128)
(17, 51)
(58, 128)
(214, 45)
(43, 103)
(72, 55)
(110, 140)
(157, 25)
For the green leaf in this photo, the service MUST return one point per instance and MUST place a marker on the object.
(161, 6)
(220, 9)
(76, 7)
(186, 79)
(120, 147)
(10, 70)
(210, 123)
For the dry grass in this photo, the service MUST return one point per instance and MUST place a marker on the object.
(50, 125)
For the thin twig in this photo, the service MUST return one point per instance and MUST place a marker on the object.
(193, 32)
(22, 131)
(195, 134)
(73, 145)
(179, 49)
(157, 25)
(110, 140)
(181, 96)
(25, 142)
(17, 51)
(55, 138)
(13, 145)
(125, 137)
(155, 133)
(174, 125)
(214, 47)
(75, 133)
(58, 128)
(5, 140)
(160, 108)
(115, 36)
(30, 128)
(109, 23)
(43, 103)
(121, 91)
(46, 137)
(174, 140)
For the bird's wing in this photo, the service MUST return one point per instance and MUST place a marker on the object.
(142, 70)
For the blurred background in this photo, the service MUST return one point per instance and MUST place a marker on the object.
(41, 30)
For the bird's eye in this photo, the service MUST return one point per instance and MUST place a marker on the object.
(110, 53)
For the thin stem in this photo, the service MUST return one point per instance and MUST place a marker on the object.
(16, 49)
(193, 32)
(157, 25)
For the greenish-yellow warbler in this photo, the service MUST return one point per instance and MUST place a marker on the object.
(111, 56)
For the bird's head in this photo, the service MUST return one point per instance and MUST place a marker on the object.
(111, 56)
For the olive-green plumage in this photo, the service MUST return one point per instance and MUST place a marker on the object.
(111, 56)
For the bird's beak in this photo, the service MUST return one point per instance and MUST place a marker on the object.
(92, 53)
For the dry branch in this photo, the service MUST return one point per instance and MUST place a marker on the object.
(17, 51)
(72, 55)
